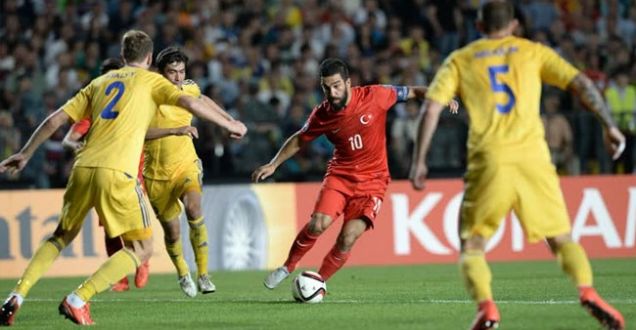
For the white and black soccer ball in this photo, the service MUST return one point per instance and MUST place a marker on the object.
(309, 287)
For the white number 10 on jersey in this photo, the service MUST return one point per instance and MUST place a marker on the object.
(356, 142)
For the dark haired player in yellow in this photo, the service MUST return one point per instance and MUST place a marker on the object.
(121, 105)
(172, 174)
(499, 80)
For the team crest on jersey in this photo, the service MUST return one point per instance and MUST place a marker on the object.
(366, 118)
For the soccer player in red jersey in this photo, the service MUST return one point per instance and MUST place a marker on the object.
(354, 120)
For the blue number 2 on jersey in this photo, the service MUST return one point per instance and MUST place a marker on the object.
(109, 112)
(498, 87)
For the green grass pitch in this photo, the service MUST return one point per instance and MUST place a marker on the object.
(531, 295)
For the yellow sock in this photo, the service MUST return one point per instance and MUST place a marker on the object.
(175, 252)
(199, 241)
(574, 262)
(476, 275)
(39, 264)
(120, 264)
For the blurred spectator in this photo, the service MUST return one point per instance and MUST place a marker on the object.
(370, 12)
(621, 99)
(262, 121)
(52, 48)
(541, 14)
(558, 134)
(10, 137)
(403, 135)
(593, 70)
(446, 18)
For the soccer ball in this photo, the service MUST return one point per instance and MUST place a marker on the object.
(309, 287)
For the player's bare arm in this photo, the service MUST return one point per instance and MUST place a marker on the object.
(52, 123)
(72, 141)
(200, 109)
(158, 133)
(427, 125)
(216, 107)
(419, 92)
(593, 101)
(289, 148)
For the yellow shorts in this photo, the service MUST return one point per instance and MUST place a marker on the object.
(529, 188)
(116, 196)
(164, 195)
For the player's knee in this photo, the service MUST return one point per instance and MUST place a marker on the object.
(192, 202)
(319, 223)
(557, 241)
(347, 240)
(474, 243)
(193, 210)
(171, 230)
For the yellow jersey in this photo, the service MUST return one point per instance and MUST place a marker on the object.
(499, 82)
(164, 156)
(120, 105)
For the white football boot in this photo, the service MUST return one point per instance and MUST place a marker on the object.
(205, 285)
(274, 278)
(187, 285)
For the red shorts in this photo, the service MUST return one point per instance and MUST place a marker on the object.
(353, 200)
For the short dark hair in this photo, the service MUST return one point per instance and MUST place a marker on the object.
(111, 63)
(170, 55)
(622, 69)
(135, 45)
(332, 66)
(495, 15)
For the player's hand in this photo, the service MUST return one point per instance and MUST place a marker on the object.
(237, 129)
(453, 106)
(615, 141)
(417, 176)
(190, 131)
(263, 172)
(14, 164)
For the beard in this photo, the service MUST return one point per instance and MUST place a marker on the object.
(338, 104)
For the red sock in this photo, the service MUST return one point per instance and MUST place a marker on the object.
(113, 244)
(304, 242)
(332, 262)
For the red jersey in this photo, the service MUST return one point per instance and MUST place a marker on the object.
(81, 127)
(357, 131)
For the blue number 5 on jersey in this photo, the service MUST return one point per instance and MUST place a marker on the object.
(109, 112)
(499, 87)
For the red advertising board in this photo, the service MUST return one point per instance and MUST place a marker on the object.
(421, 227)
(258, 228)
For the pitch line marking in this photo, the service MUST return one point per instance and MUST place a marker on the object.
(341, 301)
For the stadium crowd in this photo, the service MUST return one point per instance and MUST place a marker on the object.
(259, 60)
